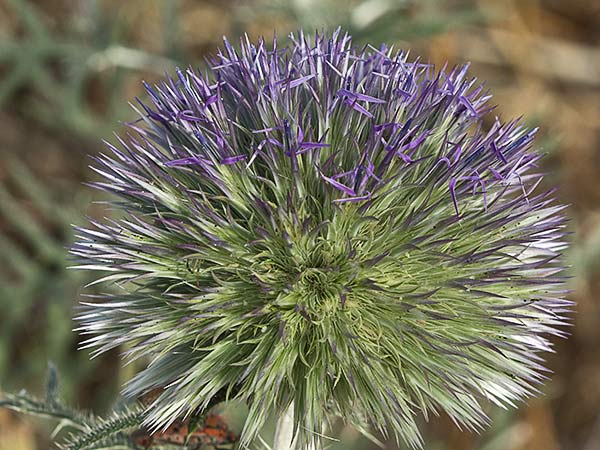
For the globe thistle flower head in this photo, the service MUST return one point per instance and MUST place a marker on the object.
(329, 227)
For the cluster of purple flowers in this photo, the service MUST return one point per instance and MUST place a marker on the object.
(340, 229)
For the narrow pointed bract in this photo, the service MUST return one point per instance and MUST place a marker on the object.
(329, 227)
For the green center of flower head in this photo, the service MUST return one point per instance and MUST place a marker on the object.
(317, 283)
(318, 286)
(308, 279)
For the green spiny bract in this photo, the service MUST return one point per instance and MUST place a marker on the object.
(329, 227)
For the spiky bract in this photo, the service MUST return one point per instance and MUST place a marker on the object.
(332, 227)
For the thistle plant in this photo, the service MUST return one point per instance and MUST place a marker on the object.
(344, 230)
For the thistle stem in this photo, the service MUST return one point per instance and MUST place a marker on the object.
(284, 433)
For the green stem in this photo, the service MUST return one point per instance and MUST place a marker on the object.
(284, 433)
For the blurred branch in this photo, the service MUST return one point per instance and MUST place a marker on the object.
(58, 69)
(129, 58)
(546, 57)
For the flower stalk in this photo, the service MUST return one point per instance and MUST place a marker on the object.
(284, 431)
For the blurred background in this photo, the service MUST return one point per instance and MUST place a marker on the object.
(68, 69)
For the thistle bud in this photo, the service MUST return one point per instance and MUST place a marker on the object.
(345, 230)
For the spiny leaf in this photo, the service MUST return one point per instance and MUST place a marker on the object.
(27, 404)
(105, 428)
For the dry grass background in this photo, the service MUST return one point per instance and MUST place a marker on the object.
(541, 59)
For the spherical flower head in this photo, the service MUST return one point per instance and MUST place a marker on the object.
(341, 229)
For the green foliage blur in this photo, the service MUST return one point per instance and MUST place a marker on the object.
(69, 68)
